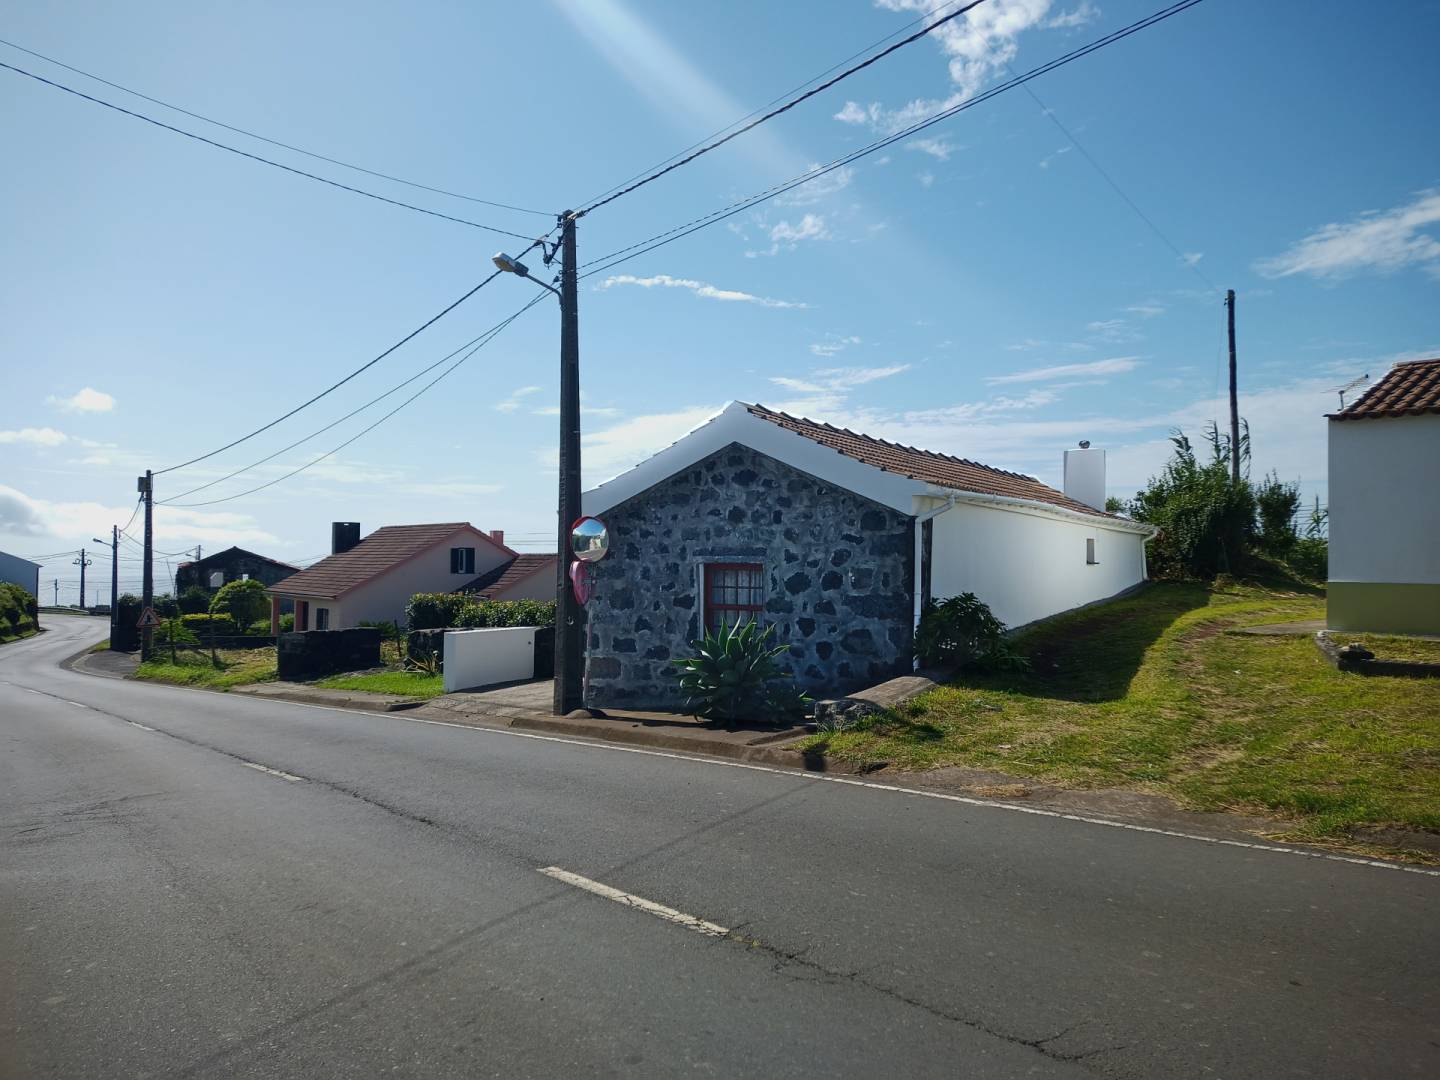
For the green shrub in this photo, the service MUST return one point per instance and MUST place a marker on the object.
(1276, 504)
(243, 601)
(734, 676)
(287, 622)
(174, 630)
(963, 632)
(1310, 558)
(195, 599)
(438, 611)
(204, 624)
(17, 609)
(1206, 520)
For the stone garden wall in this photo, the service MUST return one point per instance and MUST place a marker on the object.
(837, 569)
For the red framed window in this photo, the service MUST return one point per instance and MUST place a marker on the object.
(734, 593)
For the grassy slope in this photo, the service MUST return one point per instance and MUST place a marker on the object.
(409, 683)
(237, 667)
(1150, 693)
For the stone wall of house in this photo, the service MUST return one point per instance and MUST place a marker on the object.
(838, 573)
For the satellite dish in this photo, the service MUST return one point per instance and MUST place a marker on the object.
(589, 540)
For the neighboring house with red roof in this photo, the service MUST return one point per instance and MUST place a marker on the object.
(1385, 505)
(836, 539)
(525, 577)
(373, 579)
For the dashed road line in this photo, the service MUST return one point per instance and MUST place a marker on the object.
(650, 907)
(273, 772)
(142, 727)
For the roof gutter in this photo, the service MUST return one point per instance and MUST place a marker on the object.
(1041, 509)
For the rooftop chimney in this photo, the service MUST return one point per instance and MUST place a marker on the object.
(344, 535)
(1085, 476)
(498, 535)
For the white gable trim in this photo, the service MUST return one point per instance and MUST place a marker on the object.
(736, 424)
(1044, 509)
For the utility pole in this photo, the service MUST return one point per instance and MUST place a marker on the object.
(147, 587)
(114, 578)
(57, 591)
(568, 625)
(82, 562)
(1234, 399)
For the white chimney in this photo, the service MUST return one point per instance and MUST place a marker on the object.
(1085, 476)
(498, 535)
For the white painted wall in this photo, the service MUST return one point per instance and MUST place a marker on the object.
(538, 586)
(1385, 500)
(1030, 565)
(489, 656)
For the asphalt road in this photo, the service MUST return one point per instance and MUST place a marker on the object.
(169, 909)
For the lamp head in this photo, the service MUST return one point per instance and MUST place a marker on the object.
(509, 265)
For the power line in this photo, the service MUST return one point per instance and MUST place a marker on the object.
(1114, 186)
(775, 100)
(272, 142)
(642, 247)
(363, 367)
(489, 336)
(257, 157)
(321, 431)
(922, 32)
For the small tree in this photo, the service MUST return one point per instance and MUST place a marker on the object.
(194, 600)
(1206, 520)
(243, 601)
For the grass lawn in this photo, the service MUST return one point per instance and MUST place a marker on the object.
(1390, 647)
(236, 668)
(1150, 693)
(413, 684)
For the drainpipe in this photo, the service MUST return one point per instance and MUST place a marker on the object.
(921, 519)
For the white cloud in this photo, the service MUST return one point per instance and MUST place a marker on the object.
(702, 289)
(926, 178)
(512, 403)
(1146, 311)
(1112, 330)
(1118, 365)
(24, 515)
(809, 227)
(1045, 161)
(938, 148)
(832, 345)
(86, 400)
(1379, 241)
(827, 389)
(585, 410)
(1192, 258)
(1084, 13)
(978, 44)
(821, 187)
(31, 436)
(610, 450)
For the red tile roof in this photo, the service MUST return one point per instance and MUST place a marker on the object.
(1407, 389)
(925, 465)
(384, 548)
(497, 581)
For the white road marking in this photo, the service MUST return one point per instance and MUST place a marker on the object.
(660, 911)
(29, 691)
(795, 774)
(273, 772)
(142, 727)
(77, 704)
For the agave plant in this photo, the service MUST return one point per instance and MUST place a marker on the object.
(734, 676)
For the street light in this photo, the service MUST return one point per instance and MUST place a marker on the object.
(114, 543)
(568, 628)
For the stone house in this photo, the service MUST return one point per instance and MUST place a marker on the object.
(232, 564)
(836, 539)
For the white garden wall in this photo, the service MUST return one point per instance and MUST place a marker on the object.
(1030, 565)
(489, 656)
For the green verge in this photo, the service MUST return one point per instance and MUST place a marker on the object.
(1392, 646)
(236, 667)
(412, 684)
(1149, 693)
(19, 635)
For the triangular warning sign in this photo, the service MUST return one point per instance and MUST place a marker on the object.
(147, 618)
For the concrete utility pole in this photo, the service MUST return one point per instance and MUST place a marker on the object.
(57, 591)
(147, 587)
(114, 578)
(1234, 399)
(82, 562)
(568, 616)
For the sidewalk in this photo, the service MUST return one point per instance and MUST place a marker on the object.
(527, 707)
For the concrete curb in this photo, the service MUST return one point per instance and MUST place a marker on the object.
(339, 699)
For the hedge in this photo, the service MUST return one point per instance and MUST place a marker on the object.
(17, 609)
(435, 611)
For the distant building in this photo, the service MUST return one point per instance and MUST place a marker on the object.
(1385, 505)
(372, 580)
(20, 572)
(525, 577)
(232, 564)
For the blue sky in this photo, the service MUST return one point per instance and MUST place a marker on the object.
(979, 289)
